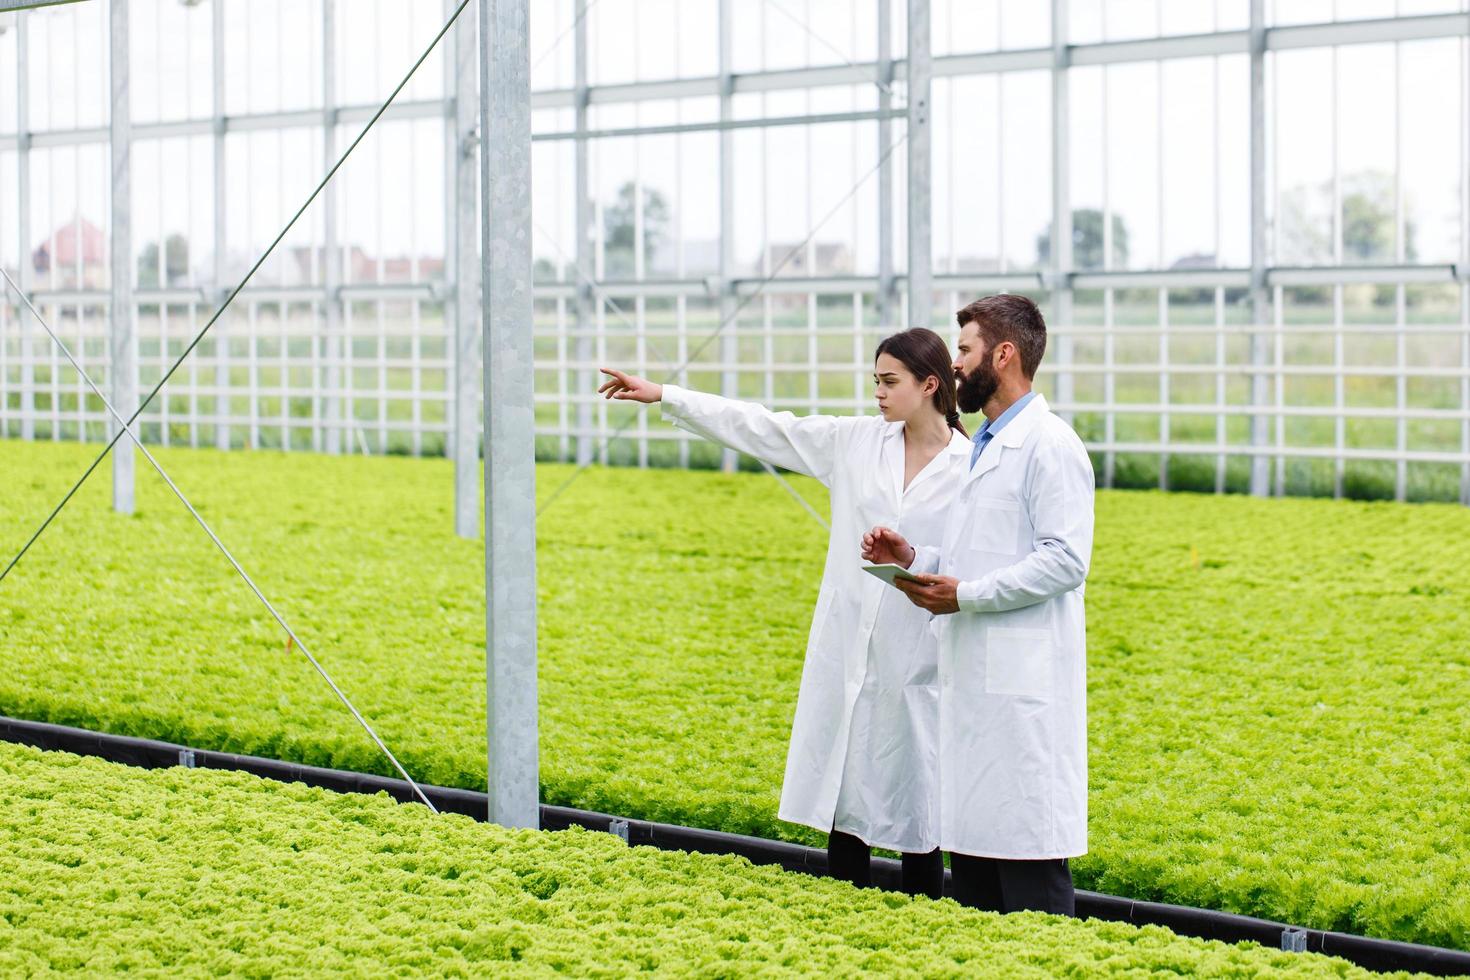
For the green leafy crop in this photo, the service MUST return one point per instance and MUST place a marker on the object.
(1277, 689)
(190, 872)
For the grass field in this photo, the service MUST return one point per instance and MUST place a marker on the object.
(105, 869)
(1276, 687)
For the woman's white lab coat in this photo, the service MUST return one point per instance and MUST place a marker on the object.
(864, 743)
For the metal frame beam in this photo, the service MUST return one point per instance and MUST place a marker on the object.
(122, 344)
(23, 229)
(887, 299)
(1260, 297)
(464, 252)
(510, 440)
(221, 241)
(585, 302)
(1061, 202)
(333, 407)
(729, 341)
(10, 5)
(920, 173)
(1103, 53)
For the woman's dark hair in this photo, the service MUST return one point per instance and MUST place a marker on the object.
(924, 353)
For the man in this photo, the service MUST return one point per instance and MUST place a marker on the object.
(1006, 589)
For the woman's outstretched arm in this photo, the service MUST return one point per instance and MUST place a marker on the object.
(804, 444)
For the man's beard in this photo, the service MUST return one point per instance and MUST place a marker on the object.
(977, 387)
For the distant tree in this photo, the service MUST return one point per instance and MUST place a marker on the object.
(177, 270)
(619, 230)
(1087, 241)
(1367, 222)
(1368, 226)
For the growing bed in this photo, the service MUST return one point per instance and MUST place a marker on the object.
(104, 868)
(1276, 687)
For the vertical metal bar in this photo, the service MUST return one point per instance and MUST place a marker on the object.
(1278, 348)
(921, 275)
(510, 470)
(1221, 460)
(1401, 393)
(221, 340)
(465, 411)
(1401, 426)
(123, 334)
(252, 372)
(1061, 206)
(1339, 392)
(1339, 424)
(23, 223)
(1163, 297)
(1259, 297)
(885, 298)
(332, 406)
(1164, 388)
(586, 317)
(729, 347)
(1110, 386)
(640, 304)
(1110, 419)
(1465, 270)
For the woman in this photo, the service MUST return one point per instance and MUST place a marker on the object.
(862, 764)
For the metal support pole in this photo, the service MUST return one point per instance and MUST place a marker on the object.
(729, 345)
(887, 299)
(221, 267)
(1465, 270)
(510, 457)
(465, 252)
(585, 310)
(1061, 204)
(23, 225)
(122, 334)
(921, 273)
(1260, 297)
(332, 406)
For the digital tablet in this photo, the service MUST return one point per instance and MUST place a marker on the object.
(890, 572)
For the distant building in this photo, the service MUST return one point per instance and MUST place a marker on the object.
(1197, 260)
(827, 259)
(306, 264)
(55, 260)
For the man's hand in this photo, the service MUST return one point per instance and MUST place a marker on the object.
(935, 593)
(883, 546)
(630, 388)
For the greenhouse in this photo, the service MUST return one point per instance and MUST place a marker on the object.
(443, 446)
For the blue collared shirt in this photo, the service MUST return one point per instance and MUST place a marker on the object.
(988, 429)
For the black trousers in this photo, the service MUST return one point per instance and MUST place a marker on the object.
(996, 885)
(849, 859)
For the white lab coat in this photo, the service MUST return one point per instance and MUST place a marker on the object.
(864, 741)
(1012, 662)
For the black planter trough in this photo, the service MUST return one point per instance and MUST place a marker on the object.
(1373, 954)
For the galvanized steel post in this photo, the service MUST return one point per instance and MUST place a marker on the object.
(1061, 210)
(334, 346)
(1260, 298)
(510, 458)
(585, 301)
(887, 295)
(921, 276)
(122, 335)
(465, 335)
(729, 342)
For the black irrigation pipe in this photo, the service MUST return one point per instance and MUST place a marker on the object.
(1372, 954)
